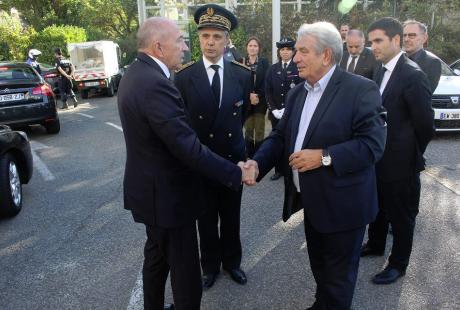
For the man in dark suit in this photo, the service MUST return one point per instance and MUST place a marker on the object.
(162, 184)
(281, 78)
(358, 59)
(415, 36)
(328, 140)
(216, 95)
(406, 95)
(344, 28)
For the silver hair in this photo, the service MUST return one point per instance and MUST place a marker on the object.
(326, 35)
(356, 33)
(153, 29)
(423, 28)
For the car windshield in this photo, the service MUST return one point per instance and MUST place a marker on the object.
(446, 70)
(12, 73)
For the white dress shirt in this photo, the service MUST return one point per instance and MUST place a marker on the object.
(311, 102)
(162, 66)
(286, 62)
(390, 66)
(210, 71)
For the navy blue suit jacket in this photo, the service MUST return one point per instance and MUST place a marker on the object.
(164, 158)
(349, 122)
(218, 128)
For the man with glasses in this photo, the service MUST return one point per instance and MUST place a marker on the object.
(415, 35)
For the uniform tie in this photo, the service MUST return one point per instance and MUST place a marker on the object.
(351, 66)
(284, 66)
(216, 83)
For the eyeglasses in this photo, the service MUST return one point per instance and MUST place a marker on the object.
(410, 35)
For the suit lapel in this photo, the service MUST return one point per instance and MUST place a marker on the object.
(201, 83)
(228, 94)
(323, 104)
(295, 116)
(394, 76)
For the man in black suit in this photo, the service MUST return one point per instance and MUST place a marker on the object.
(415, 36)
(406, 95)
(358, 59)
(162, 184)
(344, 28)
(328, 141)
(216, 95)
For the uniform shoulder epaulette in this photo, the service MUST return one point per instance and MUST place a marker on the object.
(241, 65)
(185, 66)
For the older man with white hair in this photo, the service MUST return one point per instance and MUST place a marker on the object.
(330, 137)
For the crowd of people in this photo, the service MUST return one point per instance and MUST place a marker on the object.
(350, 125)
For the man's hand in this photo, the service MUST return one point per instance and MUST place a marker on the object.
(250, 172)
(305, 160)
(254, 98)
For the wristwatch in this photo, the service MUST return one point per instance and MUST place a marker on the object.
(326, 159)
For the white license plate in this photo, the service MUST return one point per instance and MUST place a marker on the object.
(91, 83)
(446, 116)
(11, 97)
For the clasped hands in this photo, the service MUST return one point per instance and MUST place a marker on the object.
(303, 160)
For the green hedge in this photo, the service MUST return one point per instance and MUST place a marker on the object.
(56, 36)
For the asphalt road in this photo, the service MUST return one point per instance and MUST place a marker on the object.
(73, 246)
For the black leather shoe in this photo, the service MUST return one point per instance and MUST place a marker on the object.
(388, 275)
(238, 276)
(208, 280)
(276, 176)
(366, 250)
(169, 307)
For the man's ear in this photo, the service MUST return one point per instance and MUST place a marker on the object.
(327, 56)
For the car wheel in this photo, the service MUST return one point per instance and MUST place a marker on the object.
(53, 127)
(111, 90)
(10, 186)
(84, 94)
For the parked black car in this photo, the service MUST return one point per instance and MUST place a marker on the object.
(25, 98)
(16, 167)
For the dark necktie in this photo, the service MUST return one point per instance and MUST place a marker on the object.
(380, 74)
(351, 66)
(216, 83)
(285, 66)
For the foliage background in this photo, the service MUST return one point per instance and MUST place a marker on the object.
(117, 20)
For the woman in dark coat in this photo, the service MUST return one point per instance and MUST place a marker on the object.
(255, 121)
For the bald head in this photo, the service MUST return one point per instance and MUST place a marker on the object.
(161, 38)
(154, 29)
(355, 42)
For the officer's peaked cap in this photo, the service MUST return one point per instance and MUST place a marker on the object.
(285, 42)
(215, 16)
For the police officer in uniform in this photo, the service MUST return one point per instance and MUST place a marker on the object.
(216, 95)
(281, 77)
(32, 60)
(66, 70)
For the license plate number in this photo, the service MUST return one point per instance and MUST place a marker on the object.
(11, 97)
(446, 116)
(91, 83)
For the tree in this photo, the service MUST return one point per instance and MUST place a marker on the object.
(14, 38)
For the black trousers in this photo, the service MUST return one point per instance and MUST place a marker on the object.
(220, 244)
(334, 262)
(175, 250)
(399, 206)
(65, 89)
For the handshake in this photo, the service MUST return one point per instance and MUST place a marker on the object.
(278, 114)
(249, 172)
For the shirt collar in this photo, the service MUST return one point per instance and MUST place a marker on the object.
(208, 64)
(390, 66)
(287, 62)
(162, 66)
(322, 83)
(416, 55)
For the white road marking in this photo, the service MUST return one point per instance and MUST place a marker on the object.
(137, 295)
(38, 163)
(115, 126)
(85, 115)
